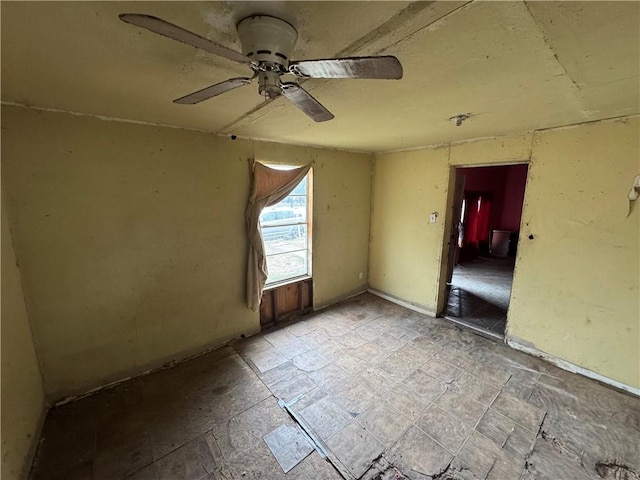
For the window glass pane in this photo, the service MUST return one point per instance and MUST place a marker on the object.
(300, 207)
(288, 265)
(293, 208)
(279, 214)
(286, 238)
(284, 229)
(301, 189)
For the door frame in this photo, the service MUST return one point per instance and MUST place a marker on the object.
(448, 248)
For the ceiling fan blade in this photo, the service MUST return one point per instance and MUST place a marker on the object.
(159, 26)
(212, 91)
(386, 67)
(305, 102)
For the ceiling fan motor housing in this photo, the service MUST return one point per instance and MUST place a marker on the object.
(269, 42)
(267, 39)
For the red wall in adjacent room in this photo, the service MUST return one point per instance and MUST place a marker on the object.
(506, 185)
(516, 180)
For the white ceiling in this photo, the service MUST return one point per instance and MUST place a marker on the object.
(514, 66)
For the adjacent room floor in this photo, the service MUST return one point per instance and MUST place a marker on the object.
(381, 391)
(479, 293)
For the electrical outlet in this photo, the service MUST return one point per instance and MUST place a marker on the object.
(433, 217)
(360, 276)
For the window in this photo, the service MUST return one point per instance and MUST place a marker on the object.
(286, 235)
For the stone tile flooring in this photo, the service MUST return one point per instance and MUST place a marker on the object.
(387, 394)
(480, 291)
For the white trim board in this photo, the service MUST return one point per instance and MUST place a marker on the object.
(402, 303)
(563, 364)
(558, 362)
(157, 366)
(479, 330)
(339, 299)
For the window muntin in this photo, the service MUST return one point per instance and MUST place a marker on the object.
(285, 233)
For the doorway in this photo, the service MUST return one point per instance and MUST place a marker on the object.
(482, 247)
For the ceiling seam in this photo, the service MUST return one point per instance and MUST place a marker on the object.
(304, 145)
(548, 44)
(102, 117)
(365, 152)
(506, 135)
(175, 127)
(439, 19)
(587, 122)
(380, 31)
(229, 127)
(385, 28)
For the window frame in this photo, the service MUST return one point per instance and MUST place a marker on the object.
(308, 223)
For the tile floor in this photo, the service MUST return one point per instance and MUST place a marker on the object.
(385, 392)
(479, 293)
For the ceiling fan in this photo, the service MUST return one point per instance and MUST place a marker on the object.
(267, 43)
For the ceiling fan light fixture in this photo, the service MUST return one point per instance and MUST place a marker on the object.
(269, 84)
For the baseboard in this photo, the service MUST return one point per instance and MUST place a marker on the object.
(340, 298)
(570, 367)
(156, 366)
(177, 359)
(516, 345)
(477, 330)
(403, 303)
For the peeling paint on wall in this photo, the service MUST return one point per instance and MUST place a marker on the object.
(135, 268)
(583, 262)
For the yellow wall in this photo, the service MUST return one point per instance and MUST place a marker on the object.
(407, 187)
(576, 288)
(576, 285)
(341, 214)
(132, 238)
(23, 401)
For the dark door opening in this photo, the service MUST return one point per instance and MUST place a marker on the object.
(483, 245)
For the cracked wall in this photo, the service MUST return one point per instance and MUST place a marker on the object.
(132, 239)
(576, 285)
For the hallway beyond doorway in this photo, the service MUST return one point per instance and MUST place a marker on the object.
(479, 293)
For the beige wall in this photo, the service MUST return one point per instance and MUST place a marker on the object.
(132, 238)
(23, 401)
(576, 286)
(341, 214)
(404, 259)
(132, 248)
